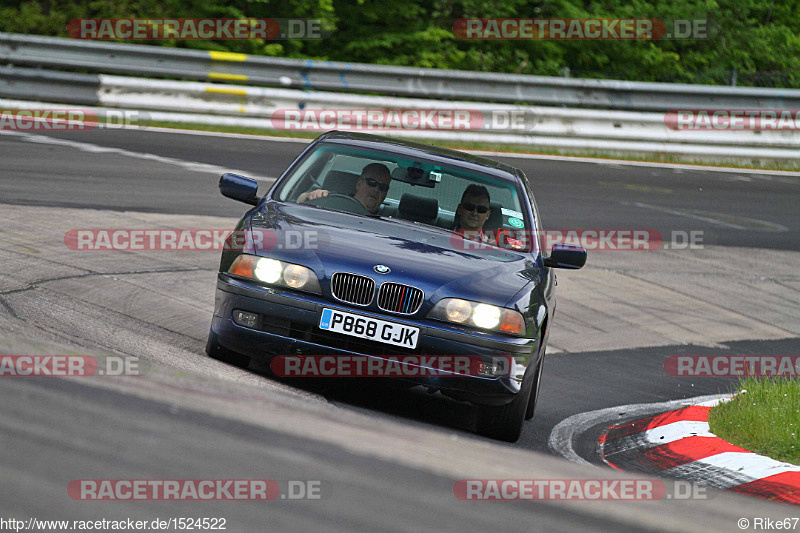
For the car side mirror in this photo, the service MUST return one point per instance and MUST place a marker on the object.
(239, 188)
(564, 256)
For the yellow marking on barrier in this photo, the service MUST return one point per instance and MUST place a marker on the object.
(241, 92)
(226, 56)
(224, 76)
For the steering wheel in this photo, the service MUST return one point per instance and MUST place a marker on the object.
(342, 202)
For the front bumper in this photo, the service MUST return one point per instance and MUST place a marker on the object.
(289, 326)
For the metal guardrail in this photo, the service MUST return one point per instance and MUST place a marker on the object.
(631, 121)
(261, 103)
(35, 84)
(532, 142)
(585, 130)
(161, 62)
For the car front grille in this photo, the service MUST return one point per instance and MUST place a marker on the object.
(398, 298)
(352, 288)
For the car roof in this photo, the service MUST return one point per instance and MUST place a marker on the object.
(425, 151)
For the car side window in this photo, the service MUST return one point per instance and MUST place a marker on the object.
(536, 225)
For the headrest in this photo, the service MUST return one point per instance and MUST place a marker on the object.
(340, 182)
(495, 220)
(418, 208)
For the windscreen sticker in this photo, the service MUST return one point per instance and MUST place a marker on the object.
(511, 213)
(517, 223)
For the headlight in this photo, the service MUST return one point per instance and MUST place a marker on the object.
(268, 270)
(275, 272)
(457, 310)
(296, 276)
(486, 316)
(480, 315)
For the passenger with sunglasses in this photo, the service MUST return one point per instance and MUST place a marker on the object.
(473, 212)
(371, 188)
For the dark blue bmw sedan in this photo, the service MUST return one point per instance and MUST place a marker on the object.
(370, 252)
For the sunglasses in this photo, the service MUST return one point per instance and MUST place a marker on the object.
(375, 183)
(472, 207)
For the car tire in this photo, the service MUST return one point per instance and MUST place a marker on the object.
(535, 394)
(505, 422)
(216, 351)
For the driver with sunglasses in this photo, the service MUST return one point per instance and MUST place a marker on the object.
(473, 212)
(371, 188)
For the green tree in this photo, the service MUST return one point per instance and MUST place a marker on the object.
(757, 39)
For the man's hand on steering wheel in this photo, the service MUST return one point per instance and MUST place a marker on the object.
(312, 195)
(341, 202)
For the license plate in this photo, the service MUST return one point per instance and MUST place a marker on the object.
(369, 328)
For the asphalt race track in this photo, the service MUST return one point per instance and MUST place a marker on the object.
(386, 460)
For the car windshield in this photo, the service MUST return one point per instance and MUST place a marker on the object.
(426, 192)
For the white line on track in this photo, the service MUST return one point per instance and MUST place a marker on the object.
(97, 149)
(766, 174)
(564, 433)
(767, 226)
(751, 172)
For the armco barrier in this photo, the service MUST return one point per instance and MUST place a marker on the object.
(542, 142)
(620, 130)
(162, 62)
(35, 84)
(262, 102)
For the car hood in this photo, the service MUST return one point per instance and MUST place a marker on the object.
(417, 255)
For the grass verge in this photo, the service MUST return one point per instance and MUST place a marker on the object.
(764, 418)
